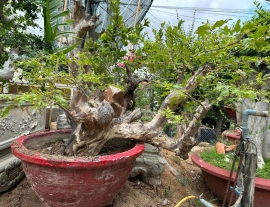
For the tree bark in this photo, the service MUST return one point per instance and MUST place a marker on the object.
(83, 23)
(186, 141)
(176, 97)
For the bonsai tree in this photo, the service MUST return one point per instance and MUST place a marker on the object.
(195, 71)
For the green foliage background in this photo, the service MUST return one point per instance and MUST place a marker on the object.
(172, 52)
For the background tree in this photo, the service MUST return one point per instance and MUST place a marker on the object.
(15, 18)
(17, 42)
(258, 126)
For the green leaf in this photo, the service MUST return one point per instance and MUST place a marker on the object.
(226, 30)
(57, 15)
(66, 50)
(63, 33)
(52, 15)
(246, 42)
(219, 23)
(5, 111)
(237, 26)
(203, 30)
(259, 43)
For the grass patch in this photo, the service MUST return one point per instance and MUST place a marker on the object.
(168, 192)
(183, 180)
(176, 159)
(265, 171)
(225, 162)
(219, 160)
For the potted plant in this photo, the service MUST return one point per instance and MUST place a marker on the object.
(217, 178)
(79, 181)
(188, 79)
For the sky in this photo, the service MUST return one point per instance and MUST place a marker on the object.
(211, 10)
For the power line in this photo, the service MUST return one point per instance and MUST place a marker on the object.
(150, 12)
(154, 21)
(206, 9)
(214, 14)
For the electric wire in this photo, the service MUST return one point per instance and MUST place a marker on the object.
(155, 23)
(155, 19)
(205, 9)
(197, 12)
(155, 16)
(230, 13)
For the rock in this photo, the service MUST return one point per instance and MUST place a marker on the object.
(203, 144)
(165, 202)
(196, 148)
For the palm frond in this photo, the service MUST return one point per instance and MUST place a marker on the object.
(53, 19)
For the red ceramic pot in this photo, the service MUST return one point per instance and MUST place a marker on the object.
(217, 179)
(73, 182)
(230, 112)
(232, 137)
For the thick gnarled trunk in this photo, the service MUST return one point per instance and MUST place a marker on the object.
(98, 119)
(186, 141)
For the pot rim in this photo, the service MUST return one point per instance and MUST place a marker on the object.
(222, 173)
(232, 135)
(20, 151)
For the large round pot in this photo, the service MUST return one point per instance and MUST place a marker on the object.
(73, 181)
(217, 179)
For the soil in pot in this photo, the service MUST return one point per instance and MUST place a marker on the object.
(111, 147)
